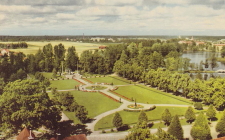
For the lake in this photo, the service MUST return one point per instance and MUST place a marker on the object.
(197, 57)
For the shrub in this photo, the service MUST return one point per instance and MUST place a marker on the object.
(112, 130)
(198, 105)
(124, 127)
(103, 131)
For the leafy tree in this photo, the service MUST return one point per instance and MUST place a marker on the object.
(71, 58)
(211, 112)
(142, 117)
(175, 128)
(163, 135)
(139, 132)
(190, 114)
(201, 129)
(198, 105)
(2, 85)
(167, 117)
(117, 120)
(220, 125)
(81, 113)
(25, 103)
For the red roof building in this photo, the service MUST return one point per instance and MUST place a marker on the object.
(25, 134)
(102, 47)
(222, 138)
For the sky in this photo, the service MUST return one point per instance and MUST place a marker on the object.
(112, 17)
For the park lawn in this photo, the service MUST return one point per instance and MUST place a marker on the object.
(107, 79)
(146, 95)
(47, 74)
(132, 117)
(94, 102)
(71, 116)
(64, 84)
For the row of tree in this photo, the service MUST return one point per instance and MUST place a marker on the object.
(14, 45)
(200, 130)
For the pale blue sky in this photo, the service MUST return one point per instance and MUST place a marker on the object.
(112, 17)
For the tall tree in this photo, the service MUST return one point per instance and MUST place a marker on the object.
(211, 112)
(71, 59)
(25, 103)
(167, 117)
(59, 55)
(163, 135)
(175, 128)
(190, 114)
(142, 117)
(201, 130)
(117, 120)
(220, 125)
(82, 114)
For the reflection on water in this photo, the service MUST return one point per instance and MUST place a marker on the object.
(197, 57)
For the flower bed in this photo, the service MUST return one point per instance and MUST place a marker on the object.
(120, 95)
(109, 97)
(79, 81)
(139, 110)
(87, 80)
(135, 107)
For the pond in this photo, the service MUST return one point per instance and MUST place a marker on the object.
(197, 57)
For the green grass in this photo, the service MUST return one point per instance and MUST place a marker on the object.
(149, 95)
(64, 84)
(94, 102)
(33, 46)
(71, 116)
(132, 117)
(107, 79)
(47, 74)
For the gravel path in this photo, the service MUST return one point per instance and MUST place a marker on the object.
(96, 135)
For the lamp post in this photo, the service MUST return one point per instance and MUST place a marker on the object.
(58, 134)
(30, 137)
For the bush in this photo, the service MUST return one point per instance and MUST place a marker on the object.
(198, 106)
(124, 127)
(112, 130)
(103, 131)
(150, 124)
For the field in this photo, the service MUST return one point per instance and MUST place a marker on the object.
(148, 95)
(108, 79)
(132, 117)
(91, 101)
(33, 46)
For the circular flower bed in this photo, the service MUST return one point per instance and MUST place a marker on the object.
(135, 107)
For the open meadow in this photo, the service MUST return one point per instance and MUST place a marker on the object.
(33, 46)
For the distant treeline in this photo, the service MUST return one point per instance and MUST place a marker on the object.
(85, 38)
(14, 45)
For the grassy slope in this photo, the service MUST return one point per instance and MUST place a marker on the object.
(132, 117)
(144, 95)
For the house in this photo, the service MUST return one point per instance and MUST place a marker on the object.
(102, 47)
(218, 46)
(4, 52)
(185, 42)
(76, 137)
(25, 134)
(199, 43)
(221, 138)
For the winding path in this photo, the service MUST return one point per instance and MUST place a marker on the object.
(121, 135)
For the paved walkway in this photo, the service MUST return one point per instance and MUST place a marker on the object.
(121, 135)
